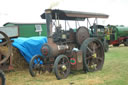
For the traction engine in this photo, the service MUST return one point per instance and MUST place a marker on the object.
(68, 49)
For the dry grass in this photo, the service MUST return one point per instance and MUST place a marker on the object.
(114, 72)
(18, 60)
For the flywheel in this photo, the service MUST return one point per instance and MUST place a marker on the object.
(82, 34)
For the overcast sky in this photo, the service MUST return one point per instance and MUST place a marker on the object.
(30, 10)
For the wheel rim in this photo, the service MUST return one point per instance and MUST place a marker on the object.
(5, 50)
(93, 55)
(62, 67)
(37, 64)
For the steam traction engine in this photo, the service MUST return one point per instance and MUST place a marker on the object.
(68, 49)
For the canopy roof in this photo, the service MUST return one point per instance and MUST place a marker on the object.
(73, 15)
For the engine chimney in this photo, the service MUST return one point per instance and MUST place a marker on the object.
(48, 17)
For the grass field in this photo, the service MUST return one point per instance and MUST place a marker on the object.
(114, 72)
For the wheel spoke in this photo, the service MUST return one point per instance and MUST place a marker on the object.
(94, 47)
(89, 57)
(99, 58)
(33, 64)
(89, 50)
(66, 63)
(98, 46)
(38, 60)
(59, 67)
(3, 43)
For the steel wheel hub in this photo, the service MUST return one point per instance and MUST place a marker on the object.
(94, 55)
(64, 67)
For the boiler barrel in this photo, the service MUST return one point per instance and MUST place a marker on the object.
(122, 31)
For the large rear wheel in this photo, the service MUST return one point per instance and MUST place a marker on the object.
(93, 55)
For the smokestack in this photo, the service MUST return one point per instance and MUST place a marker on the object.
(48, 17)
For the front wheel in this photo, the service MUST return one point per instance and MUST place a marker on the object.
(35, 65)
(2, 78)
(62, 67)
(93, 55)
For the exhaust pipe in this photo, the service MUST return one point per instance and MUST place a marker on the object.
(48, 17)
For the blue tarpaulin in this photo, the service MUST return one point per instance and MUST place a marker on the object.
(29, 47)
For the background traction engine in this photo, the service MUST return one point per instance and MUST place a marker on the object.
(67, 50)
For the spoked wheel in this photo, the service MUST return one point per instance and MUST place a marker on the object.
(61, 67)
(36, 65)
(2, 78)
(5, 48)
(93, 55)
